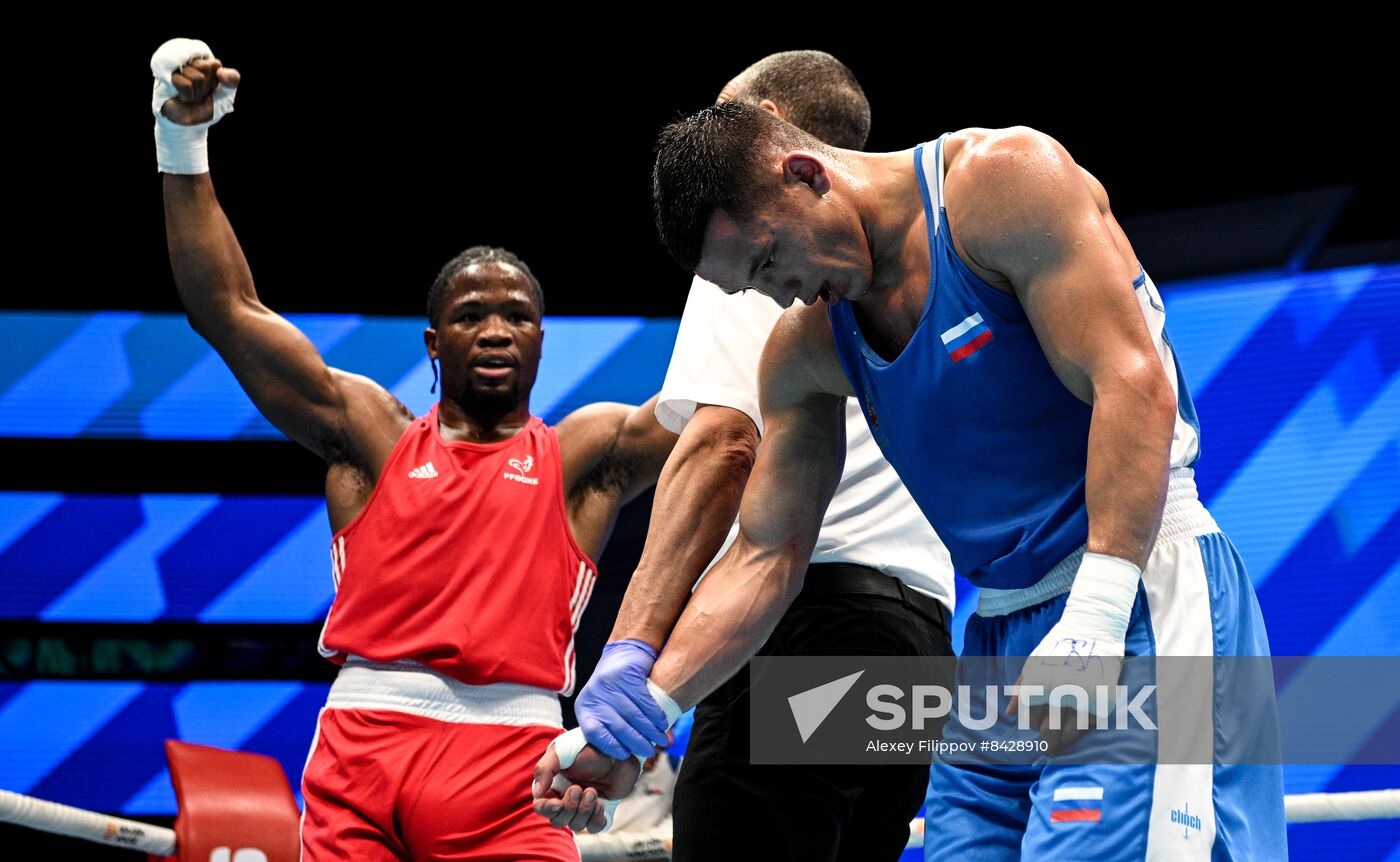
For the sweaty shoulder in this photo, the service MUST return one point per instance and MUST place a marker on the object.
(586, 434)
(591, 426)
(1006, 187)
(999, 155)
(984, 153)
(800, 358)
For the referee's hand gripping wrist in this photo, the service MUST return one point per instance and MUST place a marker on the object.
(617, 711)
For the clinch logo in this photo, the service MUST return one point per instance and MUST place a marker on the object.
(1186, 820)
(521, 468)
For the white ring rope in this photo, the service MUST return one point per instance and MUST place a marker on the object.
(1361, 805)
(88, 825)
(654, 843)
(651, 844)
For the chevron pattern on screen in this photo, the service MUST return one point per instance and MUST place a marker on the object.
(167, 557)
(1296, 379)
(99, 745)
(133, 375)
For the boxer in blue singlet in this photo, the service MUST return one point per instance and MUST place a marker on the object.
(978, 298)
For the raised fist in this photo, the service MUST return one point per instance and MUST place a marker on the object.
(196, 84)
(192, 87)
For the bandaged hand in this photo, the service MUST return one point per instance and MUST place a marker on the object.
(577, 786)
(1084, 650)
(192, 91)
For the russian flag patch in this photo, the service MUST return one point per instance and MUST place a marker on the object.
(967, 337)
(1077, 805)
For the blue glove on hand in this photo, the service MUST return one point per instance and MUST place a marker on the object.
(615, 711)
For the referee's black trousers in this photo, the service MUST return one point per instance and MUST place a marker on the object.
(728, 810)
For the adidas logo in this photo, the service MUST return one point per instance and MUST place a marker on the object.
(427, 471)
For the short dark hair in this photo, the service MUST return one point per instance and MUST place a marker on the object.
(816, 92)
(437, 294)
(712, 160)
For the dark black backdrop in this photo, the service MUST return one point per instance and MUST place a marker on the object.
(367, 150)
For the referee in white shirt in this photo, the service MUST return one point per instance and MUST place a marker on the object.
(880, 582)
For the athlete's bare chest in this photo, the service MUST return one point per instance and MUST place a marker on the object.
(888, 319)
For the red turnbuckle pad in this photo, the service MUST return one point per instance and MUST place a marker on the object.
(234, 806)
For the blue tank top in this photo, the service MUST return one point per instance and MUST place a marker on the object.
(986, 438)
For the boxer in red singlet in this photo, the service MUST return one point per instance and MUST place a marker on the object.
(463, 540)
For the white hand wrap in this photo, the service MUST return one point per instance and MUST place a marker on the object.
(1085, 648)
(567, 745)
(668, 706)
(183, 149)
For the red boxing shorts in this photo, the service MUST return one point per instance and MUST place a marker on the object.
(386, 784)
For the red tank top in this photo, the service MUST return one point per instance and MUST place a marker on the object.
(463, 560)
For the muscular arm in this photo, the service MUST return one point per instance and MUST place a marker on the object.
(736, 607)
(711, 397)
(696, 500)
(1027, 211)
(612, 453)
(343, 418)
(275, 363)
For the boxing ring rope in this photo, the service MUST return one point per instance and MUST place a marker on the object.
(1359, 805)
(87, 825)
(649, 844)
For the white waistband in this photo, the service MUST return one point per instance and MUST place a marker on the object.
(406, 686)
(995, 603)
(1183, 517)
